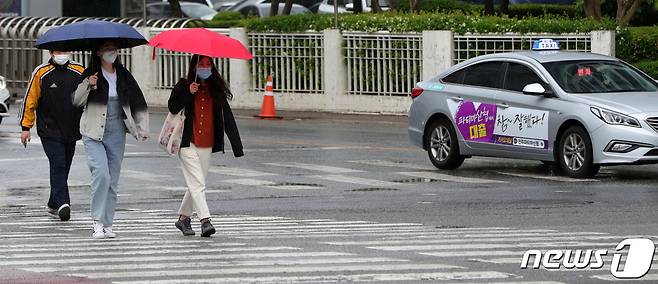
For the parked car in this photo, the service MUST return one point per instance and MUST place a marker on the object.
(190, 10)
(344, 6)
(580, 110)
(4, 98)
(261, 8)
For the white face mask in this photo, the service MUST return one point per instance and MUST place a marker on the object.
(110, 56)
(61, 59)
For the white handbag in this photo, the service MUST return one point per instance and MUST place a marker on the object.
(172, 133)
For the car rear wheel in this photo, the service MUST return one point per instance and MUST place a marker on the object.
(442, 145)
(575, 153)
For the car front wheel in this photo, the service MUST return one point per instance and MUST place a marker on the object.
(442, 145)
(575, 153)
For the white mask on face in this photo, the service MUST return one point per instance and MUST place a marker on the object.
(110, 56)
(61, 59)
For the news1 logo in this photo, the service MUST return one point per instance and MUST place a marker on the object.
(638, 259)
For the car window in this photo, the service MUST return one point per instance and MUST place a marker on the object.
(455, 78)
(518, 76)
(340, 2)
(486, 74)
(600, 76)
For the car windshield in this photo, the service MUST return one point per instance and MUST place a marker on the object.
(600, 76)
(194, 10)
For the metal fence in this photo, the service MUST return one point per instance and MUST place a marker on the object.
(469, 46)
(18, 57)
(293, 60)
(171, 66)
(382, 63)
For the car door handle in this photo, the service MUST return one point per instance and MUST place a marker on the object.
(457, 99)
(502, 105)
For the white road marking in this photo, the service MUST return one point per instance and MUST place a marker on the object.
(229, 171)
(218, 264)
(334, 278)
(484, 240)
(356, 180)
(111, 243)
(143, 252)
(250, 182)
(271, 270)
(384, 163)
(517, 260)
(490, 246)
(474, 253)
(142, 259)
(313, 167)
(545, 177)
(145, 176)
(450, 178)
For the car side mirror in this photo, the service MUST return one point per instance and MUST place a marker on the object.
(536, 89)
(349, 7)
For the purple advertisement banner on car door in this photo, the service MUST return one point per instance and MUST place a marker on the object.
(476, 121)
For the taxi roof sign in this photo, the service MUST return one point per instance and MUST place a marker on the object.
(546, 44)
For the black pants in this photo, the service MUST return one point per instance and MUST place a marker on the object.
(60, 157)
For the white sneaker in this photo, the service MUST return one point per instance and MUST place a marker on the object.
(108, 232)
(98, 231)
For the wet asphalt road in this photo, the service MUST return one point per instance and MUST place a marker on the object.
(323, 197)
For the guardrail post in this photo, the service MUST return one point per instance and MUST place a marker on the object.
(438, 52)
(143, 69)
(239, 69)
(603, 42)
(335, 73)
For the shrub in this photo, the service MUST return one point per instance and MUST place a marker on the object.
(637, 44)
(224, 19)
(403, 22)
(538, 10)
(649, 67)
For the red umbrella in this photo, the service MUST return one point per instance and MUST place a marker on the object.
(201, 41)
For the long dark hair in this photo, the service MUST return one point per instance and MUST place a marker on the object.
(95, 61)
(216, 81)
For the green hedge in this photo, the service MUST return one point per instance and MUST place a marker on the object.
(538, 10)
(637, 44)
(405, 22)
(515, 10)
(649, 67)
(224, 19)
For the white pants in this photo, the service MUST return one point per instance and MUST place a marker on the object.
(195, 163)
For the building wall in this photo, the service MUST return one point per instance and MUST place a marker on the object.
(42, 8)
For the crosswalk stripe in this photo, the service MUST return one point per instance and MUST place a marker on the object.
(313, 167)
(271, 270)
(240, 172)
(384, 163)
(120, 242)
(609, 277)
(219, 264)
(472, 240)
(473, 253)
(545, 177)
(489, 246)
(356, 180)
(144, 252)
(449, 178)
(250, 182)
(509, 260)
(372, 277)
(417, 235)
(142, 259)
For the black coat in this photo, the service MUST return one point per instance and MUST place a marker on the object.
(224, 122)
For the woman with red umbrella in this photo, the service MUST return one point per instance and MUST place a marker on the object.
(204, 96)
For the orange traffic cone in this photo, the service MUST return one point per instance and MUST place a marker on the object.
(268, 111)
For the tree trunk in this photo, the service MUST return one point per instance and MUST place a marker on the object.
(274, 8)
(626, 10)
(358, 6)
(175, 6)
(592, 9)
(375, 6)
(488, 7)
(413, 6)
(287, 8)
(504, 7)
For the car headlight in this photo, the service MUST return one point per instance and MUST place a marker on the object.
(614, 118)
(3, 82)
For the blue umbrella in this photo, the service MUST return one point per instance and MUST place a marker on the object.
(89, 35)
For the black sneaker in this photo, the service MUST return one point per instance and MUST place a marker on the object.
(185, 226)
(207, 229)
(64, 212)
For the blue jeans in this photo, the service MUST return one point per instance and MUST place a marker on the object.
(104, 160)
(60, 157)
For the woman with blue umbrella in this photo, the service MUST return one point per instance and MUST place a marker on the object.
(113, 105)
